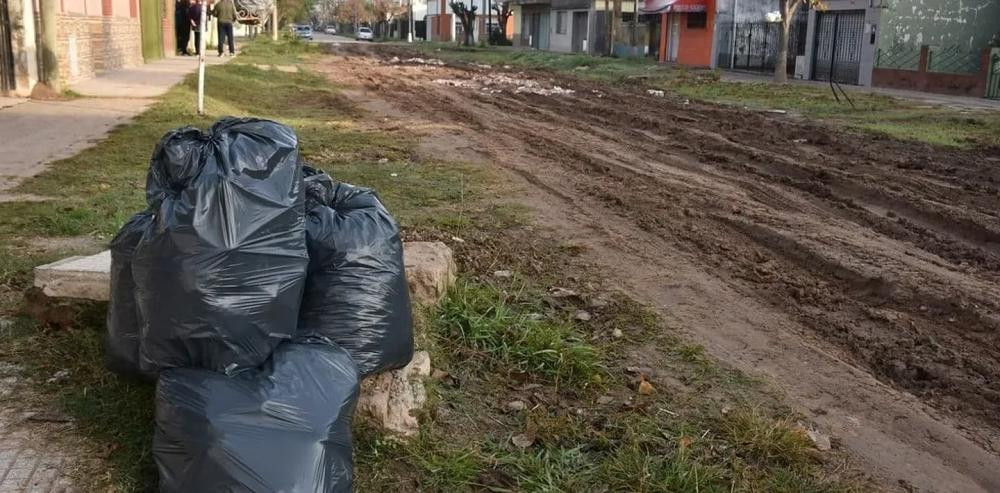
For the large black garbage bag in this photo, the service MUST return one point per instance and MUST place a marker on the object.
(219, 273)
(285, 427)
(122, 341)
(356, 293)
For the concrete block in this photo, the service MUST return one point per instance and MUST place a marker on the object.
(83, 277)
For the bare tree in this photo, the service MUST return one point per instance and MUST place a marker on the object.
(788, 9)
(503, 13)
(468, 17)
(385, 12)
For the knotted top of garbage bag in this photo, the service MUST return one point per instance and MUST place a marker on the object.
(248, 146)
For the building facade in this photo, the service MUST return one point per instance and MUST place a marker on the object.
(92, 36)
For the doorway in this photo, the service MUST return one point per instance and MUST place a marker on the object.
(7, 80)
(839, 37)
(579, 32)
(673, 36)
(150, 19)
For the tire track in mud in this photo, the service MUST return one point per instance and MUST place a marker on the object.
(851, 240)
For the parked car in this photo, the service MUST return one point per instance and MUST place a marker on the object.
(304, 32)
(330, 30)
(365, 34)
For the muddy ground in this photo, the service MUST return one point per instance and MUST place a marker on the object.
(860, 274)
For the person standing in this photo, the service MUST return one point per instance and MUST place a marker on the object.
(181, 27)
(225, 12)
(194, 18)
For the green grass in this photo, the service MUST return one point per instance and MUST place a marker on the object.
(897, 118)
(605, 69)
(510, 332)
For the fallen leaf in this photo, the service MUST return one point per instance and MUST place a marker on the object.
(522, 440)
(685, 441)
(646, 388)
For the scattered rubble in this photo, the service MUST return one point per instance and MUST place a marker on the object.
(655, 92)
(495, 83)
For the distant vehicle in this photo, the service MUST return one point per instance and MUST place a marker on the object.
(330, 30)
(304, 32)
(365, 34)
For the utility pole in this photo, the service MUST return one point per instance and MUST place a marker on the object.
(201, 61)
(489, 22)
(274, 21)
(50, 64)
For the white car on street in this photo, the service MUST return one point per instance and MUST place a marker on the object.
(365, 34)
(330, 30)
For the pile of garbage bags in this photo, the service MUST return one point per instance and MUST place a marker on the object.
(258, 292)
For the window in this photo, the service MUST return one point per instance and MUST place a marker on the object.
(561, 22)
(697, 20)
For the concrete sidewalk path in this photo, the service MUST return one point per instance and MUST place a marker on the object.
(34, 133)
(956, 102)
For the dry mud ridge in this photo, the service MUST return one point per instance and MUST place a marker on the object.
(859, 273)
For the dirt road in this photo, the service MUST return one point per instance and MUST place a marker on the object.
(860, 274)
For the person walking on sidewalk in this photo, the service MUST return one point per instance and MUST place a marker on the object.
(225, 12)
(194, 18)
(182, 27)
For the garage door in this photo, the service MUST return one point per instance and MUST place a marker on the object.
(838, 46)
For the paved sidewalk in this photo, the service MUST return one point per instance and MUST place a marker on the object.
(34, 133)
(958, 102)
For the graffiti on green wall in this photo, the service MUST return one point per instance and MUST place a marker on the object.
(965, 24)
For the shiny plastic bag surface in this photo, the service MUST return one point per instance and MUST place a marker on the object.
(285, 427)
(356, 293)
(122, 338)
(219, 273)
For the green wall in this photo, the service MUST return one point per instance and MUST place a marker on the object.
(969, 24)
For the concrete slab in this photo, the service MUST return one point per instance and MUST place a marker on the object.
(430, 269)
(146, 81)
(82, 277)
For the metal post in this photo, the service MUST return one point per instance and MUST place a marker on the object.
(49, 42)
(274, 21)
(410, 24)
(201, 61)
(489, 21)
(732, 57)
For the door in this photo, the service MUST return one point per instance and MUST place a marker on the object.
(993, 83)
(838, 46)
(579, 31)
(150, 18)
(7, 81)
(673, 36)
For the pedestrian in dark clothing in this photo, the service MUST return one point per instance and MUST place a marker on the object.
(182, 28)
(225, 12)
(193, 19)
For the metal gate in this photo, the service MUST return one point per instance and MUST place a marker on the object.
(993, 83)
(756, 44)
(838, 46)
(6, 51)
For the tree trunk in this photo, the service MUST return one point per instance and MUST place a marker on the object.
(787, 8)
(781, 64)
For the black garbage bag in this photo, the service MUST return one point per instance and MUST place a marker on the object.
(356, 293)
(283, 427)
(219, 273)
(122, 338)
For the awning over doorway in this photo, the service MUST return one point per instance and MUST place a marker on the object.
(664, 6)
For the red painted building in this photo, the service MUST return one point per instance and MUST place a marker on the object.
(686, 30)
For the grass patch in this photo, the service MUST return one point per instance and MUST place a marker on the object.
(513, 335)
(898, 118)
